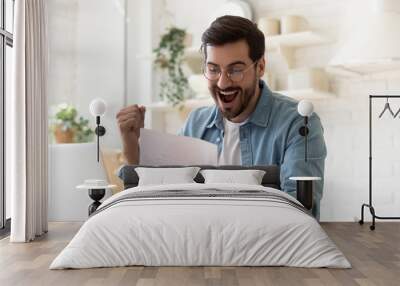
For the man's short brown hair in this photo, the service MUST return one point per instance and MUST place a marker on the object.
(230, 29)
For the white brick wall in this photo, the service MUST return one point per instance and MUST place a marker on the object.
(345, 120)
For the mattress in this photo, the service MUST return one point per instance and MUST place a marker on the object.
(201, 225)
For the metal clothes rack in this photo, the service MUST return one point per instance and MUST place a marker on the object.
(370, 205)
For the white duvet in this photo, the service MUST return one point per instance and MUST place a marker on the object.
(200, 231)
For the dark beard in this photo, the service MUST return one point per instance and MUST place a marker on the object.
(245, 97)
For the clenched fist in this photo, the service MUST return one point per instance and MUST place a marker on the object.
(130, 119)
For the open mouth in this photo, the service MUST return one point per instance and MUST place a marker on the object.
(228, 96)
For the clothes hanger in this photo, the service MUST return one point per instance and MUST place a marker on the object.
(387, 107)
(397, 113)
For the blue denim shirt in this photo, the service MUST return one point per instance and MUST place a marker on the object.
(270, 137)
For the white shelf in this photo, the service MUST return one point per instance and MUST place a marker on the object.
(293, 40)
(190, 103)
(193, 52)
(193, 59)
(287, 43)
(296, 40)
(366, 69)
(309, 93)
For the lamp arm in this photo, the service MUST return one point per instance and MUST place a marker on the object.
(98, 136)
(304, 132)
(97, 108)
(306, 139)
(98, 145)
(99, 131)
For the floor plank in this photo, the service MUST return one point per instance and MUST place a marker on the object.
(374, 255)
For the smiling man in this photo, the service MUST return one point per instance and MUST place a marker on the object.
(250, 124)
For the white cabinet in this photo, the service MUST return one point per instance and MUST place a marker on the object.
(69, 166)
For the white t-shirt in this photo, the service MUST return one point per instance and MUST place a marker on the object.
(230, 153)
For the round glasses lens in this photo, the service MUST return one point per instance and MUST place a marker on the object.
(211, 74)
(236, 76)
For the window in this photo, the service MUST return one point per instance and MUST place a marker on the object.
(6, 44)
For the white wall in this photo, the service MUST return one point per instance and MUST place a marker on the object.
(345, 118)
(87, 57)
(142, 35)
(62, 30)
(194, 16)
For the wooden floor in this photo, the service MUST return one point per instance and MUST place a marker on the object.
(374, 255)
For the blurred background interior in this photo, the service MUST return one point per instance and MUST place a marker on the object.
(322, 50)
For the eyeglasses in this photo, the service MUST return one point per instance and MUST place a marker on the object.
(235, 74)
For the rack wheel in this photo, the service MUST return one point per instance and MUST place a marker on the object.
(372, 227)
(361, 222)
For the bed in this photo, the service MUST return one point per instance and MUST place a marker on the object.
(201, 224)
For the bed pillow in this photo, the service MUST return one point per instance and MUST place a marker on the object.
(162, 176)
(248, 177)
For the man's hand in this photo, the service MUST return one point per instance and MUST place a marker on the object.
(130, 120)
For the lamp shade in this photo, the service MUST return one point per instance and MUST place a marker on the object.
(97, 107)
(305, 108)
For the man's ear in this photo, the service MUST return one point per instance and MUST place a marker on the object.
(261, 67)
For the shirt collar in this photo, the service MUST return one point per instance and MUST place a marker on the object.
(260, 115)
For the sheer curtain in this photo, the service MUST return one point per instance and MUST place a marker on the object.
(27, 121)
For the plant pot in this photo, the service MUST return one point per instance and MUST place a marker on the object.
(62, 136)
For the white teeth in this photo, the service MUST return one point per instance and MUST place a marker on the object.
(227, 92)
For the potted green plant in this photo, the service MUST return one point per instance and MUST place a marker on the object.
(67, 129)
(169, 57)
